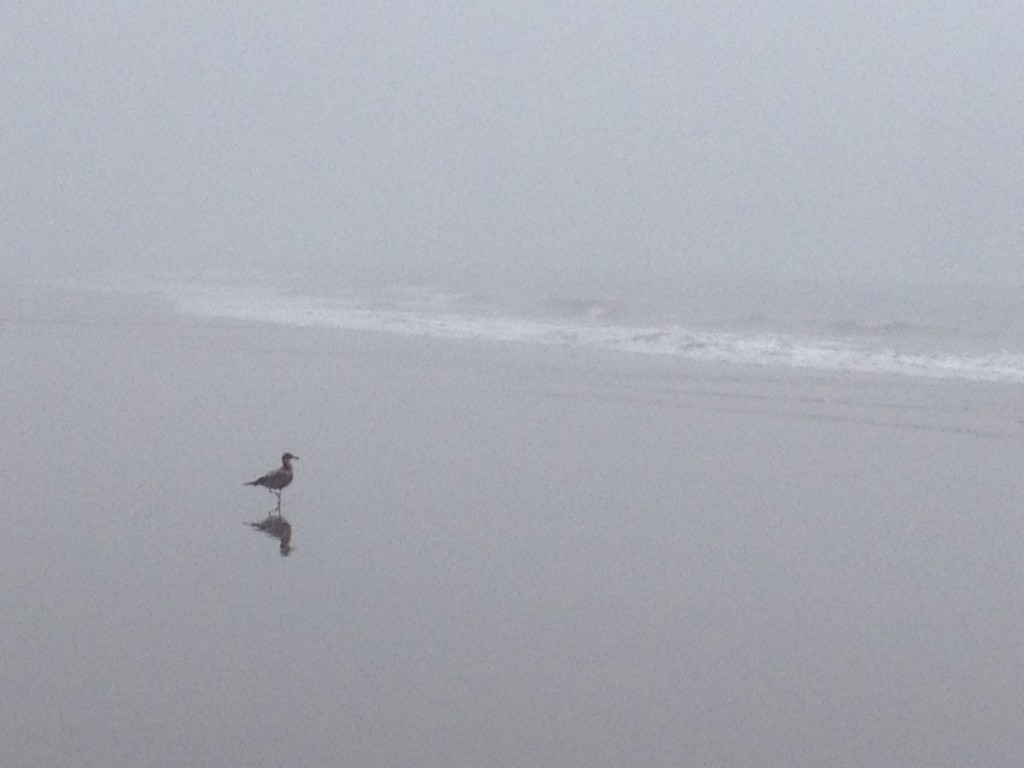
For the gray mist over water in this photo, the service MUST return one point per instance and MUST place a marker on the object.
(571, 147)
(505, 553)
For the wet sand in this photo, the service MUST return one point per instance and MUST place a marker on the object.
(503, 556)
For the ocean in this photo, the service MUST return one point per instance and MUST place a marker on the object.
(969, 331)
(726, 522)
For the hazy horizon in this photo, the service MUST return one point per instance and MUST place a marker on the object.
(522, 143)
(691, 431)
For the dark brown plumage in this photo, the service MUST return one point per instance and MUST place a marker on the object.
(277, 479)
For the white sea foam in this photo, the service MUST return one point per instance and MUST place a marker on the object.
(418, 312)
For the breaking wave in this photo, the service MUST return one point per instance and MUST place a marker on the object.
(423, 312)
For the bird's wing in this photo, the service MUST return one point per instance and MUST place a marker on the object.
(263, 478)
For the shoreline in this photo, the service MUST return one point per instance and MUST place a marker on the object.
(418, 314)
(569, 557)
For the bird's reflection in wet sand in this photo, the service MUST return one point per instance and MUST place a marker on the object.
(275, 525)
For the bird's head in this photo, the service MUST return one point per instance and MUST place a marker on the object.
(287, 457)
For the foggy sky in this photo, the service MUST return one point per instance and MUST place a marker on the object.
(556, 138)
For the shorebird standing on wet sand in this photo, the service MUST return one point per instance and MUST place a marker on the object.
(277, 479)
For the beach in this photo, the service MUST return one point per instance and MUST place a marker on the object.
(505, 555)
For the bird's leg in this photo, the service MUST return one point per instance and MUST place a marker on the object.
(278, 503)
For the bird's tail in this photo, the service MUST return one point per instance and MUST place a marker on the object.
(251, 482)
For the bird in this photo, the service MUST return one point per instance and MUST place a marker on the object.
(277, 479)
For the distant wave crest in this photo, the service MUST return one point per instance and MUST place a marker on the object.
(438, 315)
(892, 328)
